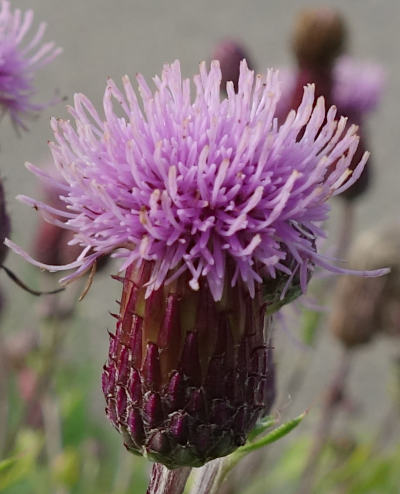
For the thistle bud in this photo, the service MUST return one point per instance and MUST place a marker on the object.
(375, 303)
(187, 377)
(51, 241)
(319, 37)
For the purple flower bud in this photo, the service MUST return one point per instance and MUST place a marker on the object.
(50, 242)
(230, 53)
(186, 377)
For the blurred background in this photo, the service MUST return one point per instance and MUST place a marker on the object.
(109, 39)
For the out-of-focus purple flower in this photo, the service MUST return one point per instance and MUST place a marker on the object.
(19, 61)
(347, 73)
(230, 53)
(215, 211)
(357, 86)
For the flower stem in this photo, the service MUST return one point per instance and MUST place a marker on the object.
(209, 477)
(165, 481)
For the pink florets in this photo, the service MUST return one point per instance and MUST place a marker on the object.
(193, 185)
(19, 62)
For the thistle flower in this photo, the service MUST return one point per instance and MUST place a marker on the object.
(215, 211)
(19, 61)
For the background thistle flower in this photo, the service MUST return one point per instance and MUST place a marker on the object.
(206, 201)
(319, 40)
(19, 61)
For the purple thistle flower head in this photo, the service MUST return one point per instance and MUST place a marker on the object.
(192, 185)
(19, 60)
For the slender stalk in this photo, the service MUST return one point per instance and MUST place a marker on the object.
(165, 481)
(323, 290)
(330, 406)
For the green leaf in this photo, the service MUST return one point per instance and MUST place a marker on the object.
(12, 470)
(273, 436)
(232, 460)
(7, 463)
(261, 426)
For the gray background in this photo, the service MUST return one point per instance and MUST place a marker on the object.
(110, 38)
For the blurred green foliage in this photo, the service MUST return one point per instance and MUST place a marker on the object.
(91, 458)
(361, 469)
